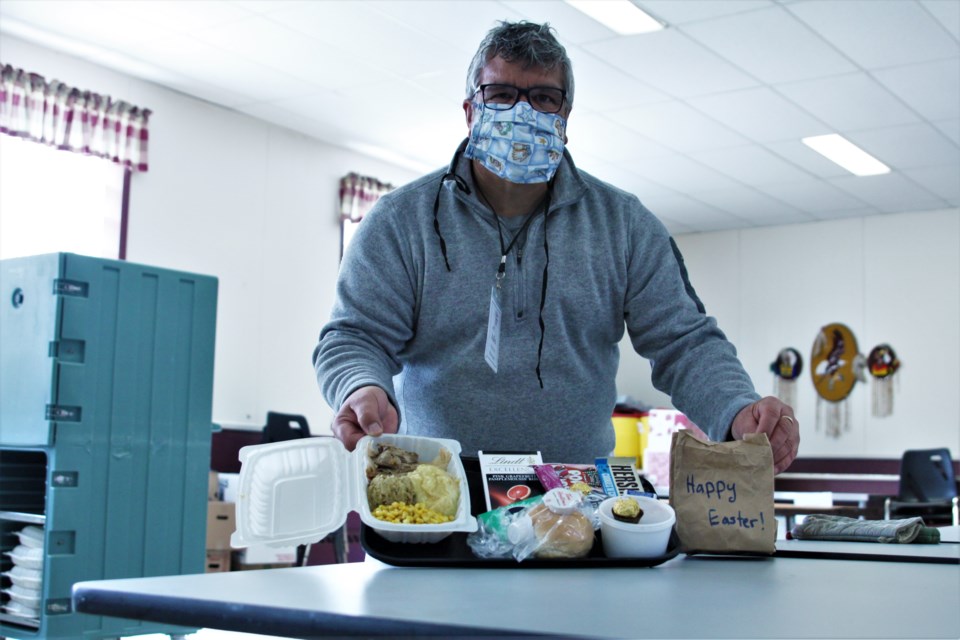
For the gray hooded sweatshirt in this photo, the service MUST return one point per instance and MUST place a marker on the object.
(404, 322)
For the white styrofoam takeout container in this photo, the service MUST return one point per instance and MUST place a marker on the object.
(297, 491)
(29, 578)
(28, 557)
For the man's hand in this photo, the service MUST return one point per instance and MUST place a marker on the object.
(776, 419)
(366, 411)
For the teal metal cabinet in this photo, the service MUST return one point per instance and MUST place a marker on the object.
(106, 386)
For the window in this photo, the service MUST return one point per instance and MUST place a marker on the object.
(53, 200)
(347, 229)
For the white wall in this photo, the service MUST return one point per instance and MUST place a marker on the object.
(892, 278)
(250, 203)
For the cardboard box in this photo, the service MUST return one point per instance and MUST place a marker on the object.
(221, 522)
(229, 486)
(218, 560)
(261, 554)
(213, 486)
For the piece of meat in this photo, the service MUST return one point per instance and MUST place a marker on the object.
(388, 459)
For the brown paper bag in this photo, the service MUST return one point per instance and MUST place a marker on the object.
(723, 494)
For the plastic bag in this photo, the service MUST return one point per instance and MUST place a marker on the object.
(558, 524)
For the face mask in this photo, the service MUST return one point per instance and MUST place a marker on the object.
(518, 144)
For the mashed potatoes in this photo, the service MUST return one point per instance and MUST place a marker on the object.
(436, 489)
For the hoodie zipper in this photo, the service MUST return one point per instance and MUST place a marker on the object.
(520, 287)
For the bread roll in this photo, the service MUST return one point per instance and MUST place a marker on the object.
(561, 536)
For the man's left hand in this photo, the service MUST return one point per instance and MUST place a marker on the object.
(776, 419)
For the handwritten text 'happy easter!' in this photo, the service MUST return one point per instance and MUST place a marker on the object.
(721, 490)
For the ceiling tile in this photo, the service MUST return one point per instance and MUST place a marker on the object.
(671, 62)
(908, 146)
(608, 141)
(179, 16)
(615, 174)
(932, 88)
(950, 128)
(206, 63)
(572, 26)
(677, 126)
(444, 86)
(947, 13)
(849, 102)
(690, 212)
(291, 52)
(801, 54)
(878, 34)
(750, 165)
(943, 181)
(890, 193)
(95, 23)
(760, 114)
(444, 20)
(681, 13)
(752, 205)
(599, 86)
(812, 195)
(385, 43)
(265, 6)
(679, 173)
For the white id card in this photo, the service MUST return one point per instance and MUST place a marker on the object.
(492, 351)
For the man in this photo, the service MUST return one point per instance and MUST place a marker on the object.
(497, 291)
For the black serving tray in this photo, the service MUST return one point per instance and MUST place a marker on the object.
(453, 551)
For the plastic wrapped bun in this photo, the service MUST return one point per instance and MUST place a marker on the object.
(551, 526)
(557, 535)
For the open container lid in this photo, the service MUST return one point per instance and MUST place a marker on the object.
(297, 491)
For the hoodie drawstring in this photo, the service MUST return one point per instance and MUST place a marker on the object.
(543, 285)
(462, 185)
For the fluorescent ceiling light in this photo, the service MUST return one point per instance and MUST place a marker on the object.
(622, 16)
(838, 149)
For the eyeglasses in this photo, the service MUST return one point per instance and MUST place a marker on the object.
(501, 97)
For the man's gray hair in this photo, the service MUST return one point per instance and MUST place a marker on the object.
(530, 44)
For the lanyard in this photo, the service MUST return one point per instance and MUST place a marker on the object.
(505, 250)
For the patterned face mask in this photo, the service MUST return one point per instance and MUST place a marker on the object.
(519, 144)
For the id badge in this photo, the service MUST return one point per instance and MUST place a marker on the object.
(492, 351)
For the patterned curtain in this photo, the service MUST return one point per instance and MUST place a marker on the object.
(58, 115)
(358, 195)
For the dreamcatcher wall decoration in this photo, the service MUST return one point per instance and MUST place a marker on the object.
(786, 369)
(835, 366)
(883, 363)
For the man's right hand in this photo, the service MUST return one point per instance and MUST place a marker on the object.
(366, 411)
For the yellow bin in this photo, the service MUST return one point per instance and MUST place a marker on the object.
(632, 434)
(628, 436)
